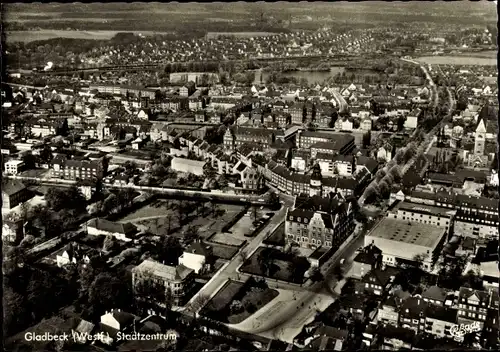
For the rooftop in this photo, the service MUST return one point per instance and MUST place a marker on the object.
(411, 233)
(423, 209)
(167, 272)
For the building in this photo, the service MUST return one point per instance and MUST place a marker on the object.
(73, 253)
(472, 306)
(178, 279)
(388, 312)
(73, 169)
(12, 231)
(401, 241)
(422, 214)
(440, 320)
(320, 142)
(198, 257)
(412, 314)
(188, 166)
(378, 281)
(13, 167)
(13, 194)
(411, 121)
(103, 227)
(188, 89)
(315, 221)
(366, 260)
(237, 136)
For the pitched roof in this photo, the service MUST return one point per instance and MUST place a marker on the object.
(199, 248)
(12, 187)
(435, 293)
(112, 227)
(167, 272)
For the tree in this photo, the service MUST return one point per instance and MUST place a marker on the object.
(208, 171)
(313, 112)
(199, 302)
(316, 275)
(191, 234)
(266, 259)
(367, 139)
(236, 307)
(304, 114)
(106, 291)
(171, 250)
(109, 243)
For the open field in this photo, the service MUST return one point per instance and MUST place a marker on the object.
(44, 34)
(457, 60)
(223, 297)
(224, 252)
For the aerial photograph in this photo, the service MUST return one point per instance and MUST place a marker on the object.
(281, 176)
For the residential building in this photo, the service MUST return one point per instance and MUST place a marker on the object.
(178, 279)
(472, 306)
(378, 281)
(14, 167)
(13, 194)
(188, 89)
(12, 231)
(315, 221)
(388, 312)
(401, 241)
(197, 256)
(411, 121)
(412, 314)
(435, 295)
(114, 322)
(73, 169)
(367, 259)
(440, 320)
(188, 166)
(423, 214)
(103, 227)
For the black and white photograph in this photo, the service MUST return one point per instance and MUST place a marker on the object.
(250, 176)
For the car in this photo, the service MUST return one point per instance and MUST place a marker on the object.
(342, 261)
(261, 200)
(243, 200)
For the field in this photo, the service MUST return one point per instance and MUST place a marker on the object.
(44, 34)
(224, 296)
(223, 251)
(227, 238)
(458, 60)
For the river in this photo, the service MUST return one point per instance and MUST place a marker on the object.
(311, 76)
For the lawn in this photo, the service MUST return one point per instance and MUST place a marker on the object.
(223, 297)
(223, 251)
(162, 217)
(236, 300)
(280, 268)
(227, 238)
(252, 302)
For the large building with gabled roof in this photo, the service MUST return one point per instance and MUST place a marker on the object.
(316, 221)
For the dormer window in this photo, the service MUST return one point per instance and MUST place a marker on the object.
(305, 221)
(298, 219)
(291, 218)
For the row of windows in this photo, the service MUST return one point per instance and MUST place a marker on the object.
(472, 315)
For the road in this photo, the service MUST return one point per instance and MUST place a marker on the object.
(284, 317)
(229, 270)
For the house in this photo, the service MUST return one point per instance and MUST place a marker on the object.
(14, 167)
(178, 279)
(114, 322)
(440, 320)
(378, 280)
(198, 257)
(14, 193)
(366, 260)
(435, 296)
(74, 169)
(73, 253)
(472, 306)
(411, 121)
(388, 312)
(326, 338)
(12, 231)
(81, 330)
(188, 166)
(412, 313)
(121, 231)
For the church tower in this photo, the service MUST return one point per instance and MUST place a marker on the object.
(480, 138)
(228, 140)
(316, 185)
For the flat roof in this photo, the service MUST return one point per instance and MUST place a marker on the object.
(417, 234)
(424, 209)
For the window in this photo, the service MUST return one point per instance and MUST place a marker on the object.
(298, 219)
(305, 221)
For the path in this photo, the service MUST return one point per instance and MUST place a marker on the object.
(229, 270)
